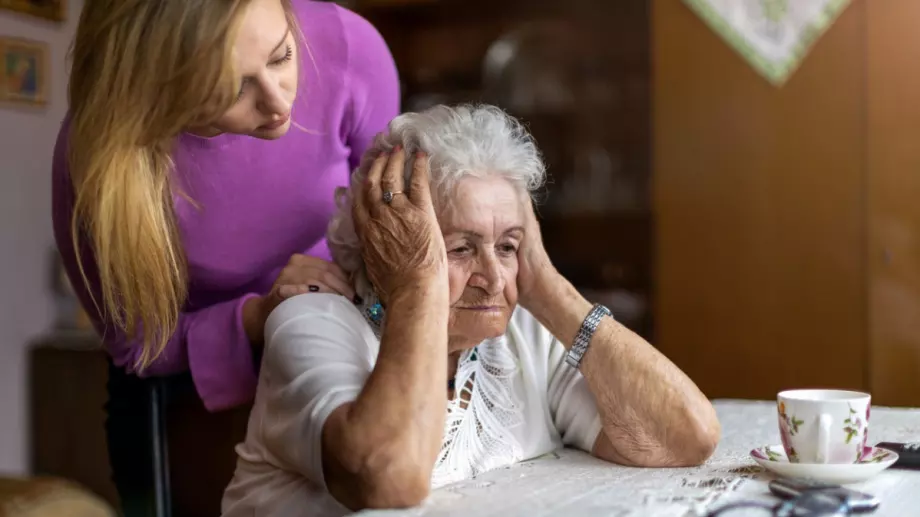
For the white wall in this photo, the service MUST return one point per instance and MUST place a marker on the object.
(26, 142)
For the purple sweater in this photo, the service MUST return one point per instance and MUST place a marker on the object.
(260, 202)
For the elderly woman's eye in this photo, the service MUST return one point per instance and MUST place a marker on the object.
(508, 249)
(462, 250)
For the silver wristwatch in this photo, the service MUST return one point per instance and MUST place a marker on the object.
(585, 333)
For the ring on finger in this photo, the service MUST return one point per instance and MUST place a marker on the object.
(388, 196)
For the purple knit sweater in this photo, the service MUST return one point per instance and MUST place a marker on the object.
(259, 202)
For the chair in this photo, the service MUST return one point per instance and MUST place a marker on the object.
(136, 435)
(173, 424)
(159, 450)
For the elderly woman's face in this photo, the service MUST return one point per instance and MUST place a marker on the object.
(483, 229)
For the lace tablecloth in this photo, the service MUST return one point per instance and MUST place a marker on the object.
(570, 483)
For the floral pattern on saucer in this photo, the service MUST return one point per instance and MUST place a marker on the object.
(777, 453)
(873, 460)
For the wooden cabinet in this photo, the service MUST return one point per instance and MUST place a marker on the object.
(786, 218)
(67, 376)
(68, 395)
(577, 74)
(765, 234)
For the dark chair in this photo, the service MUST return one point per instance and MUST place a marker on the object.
(152, 420)
(136, 434)
(159, 450)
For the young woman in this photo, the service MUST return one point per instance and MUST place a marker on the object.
(193, 178)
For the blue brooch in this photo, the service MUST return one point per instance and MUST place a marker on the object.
(374, 313)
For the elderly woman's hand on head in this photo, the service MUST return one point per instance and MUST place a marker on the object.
(396, 223)
(535, 270)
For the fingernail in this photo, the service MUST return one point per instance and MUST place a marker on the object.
(397, 148)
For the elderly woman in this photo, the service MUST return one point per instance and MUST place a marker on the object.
(465, 351)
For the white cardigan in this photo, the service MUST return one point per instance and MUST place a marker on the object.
(525, 401)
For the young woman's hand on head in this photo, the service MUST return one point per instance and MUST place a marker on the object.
(302, 274)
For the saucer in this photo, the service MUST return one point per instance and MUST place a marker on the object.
(873, 461)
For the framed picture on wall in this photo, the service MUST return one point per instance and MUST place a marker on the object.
(55, 10)
(23, 71)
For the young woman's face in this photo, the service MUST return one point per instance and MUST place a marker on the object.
(265, 54)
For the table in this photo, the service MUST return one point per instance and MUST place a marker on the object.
(570, 483)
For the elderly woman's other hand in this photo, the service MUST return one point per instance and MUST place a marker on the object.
(653, 414)
(402, 242)
(535, 270)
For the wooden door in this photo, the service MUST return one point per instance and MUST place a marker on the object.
(894, 201)
(759, 201)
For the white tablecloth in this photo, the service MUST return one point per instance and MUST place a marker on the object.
(569, 483)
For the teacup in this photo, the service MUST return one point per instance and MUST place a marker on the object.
(823, 426)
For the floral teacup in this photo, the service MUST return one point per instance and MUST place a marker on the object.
(823, 426)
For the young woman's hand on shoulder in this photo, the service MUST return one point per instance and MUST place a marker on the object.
(302, 274)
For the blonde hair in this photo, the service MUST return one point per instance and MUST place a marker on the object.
(142, 72)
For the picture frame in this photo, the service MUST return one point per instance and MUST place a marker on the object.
(54, 10)
(23, 71)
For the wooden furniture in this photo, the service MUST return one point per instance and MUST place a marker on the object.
(68, 394)
(772, 232)
(773, 236)
(67, 375)
(891, 213)
(579, 78)
(786, 218)
(573, 483)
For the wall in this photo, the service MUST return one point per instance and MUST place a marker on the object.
(893, 118)
(759, 196)
(787, 218)
(26, 142)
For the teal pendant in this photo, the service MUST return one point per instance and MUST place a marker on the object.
(375, 313)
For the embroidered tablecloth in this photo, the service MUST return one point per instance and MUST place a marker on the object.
(570, 483)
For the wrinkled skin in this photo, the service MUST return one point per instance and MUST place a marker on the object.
(402, 243)
(534, 266)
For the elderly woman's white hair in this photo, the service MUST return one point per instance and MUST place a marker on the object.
(467, 140)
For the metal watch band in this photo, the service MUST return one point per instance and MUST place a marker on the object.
(585, 333)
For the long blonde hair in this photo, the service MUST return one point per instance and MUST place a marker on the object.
(142, 72)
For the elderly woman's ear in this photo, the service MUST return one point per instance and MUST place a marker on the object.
(402, 243)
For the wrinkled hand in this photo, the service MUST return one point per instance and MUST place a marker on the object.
(535, 270)
(402, 242)
(302, 274)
